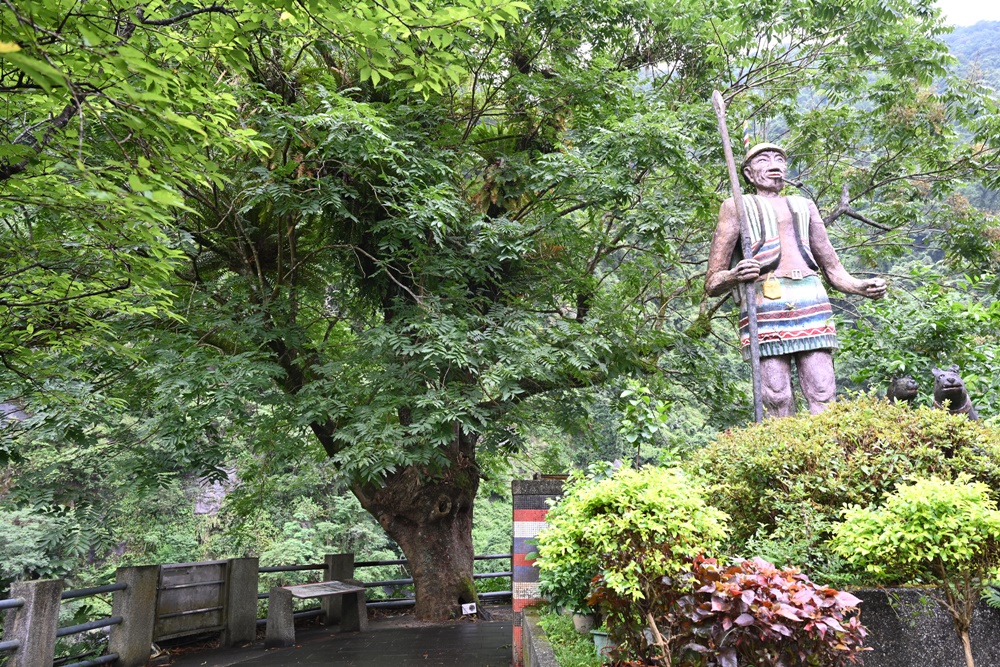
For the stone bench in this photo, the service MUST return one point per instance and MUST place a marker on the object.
(281, 625)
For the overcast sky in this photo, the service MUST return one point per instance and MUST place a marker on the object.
(967, 12)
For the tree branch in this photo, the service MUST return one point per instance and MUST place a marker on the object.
(27, 139)
(844, 208)
(857, 216)
(54, 302)
(216, 9)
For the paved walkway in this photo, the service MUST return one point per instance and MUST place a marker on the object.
(387, 643)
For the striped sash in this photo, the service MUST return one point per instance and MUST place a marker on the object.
(764, 242)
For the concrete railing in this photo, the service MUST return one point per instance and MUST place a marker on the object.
(31, 624)
(155, 603)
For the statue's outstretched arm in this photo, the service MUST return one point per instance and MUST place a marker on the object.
(829, 262)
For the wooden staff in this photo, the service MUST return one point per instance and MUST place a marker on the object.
(749, 291)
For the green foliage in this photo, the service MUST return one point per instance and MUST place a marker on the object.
(355, 237)
(930, 320)
(41, 545)
(977, 51)
(645, 420)
(784, 482)
(116, 112)
(289, 231)
(558, 433)
(570, 647)
(294, 512)
(108, 117)
(314, 529)
(492, 528)
(336, 525)
(798, 529)
(619, 537)
(931, 531)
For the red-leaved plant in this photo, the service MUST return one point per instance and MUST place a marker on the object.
(752, 613)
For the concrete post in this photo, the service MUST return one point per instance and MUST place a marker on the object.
(355, 618)
(133, 637)
(241, 602)
(280, 622)
(339, 567)
(34, 624)
(531, 505)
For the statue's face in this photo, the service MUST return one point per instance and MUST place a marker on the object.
(766, 170)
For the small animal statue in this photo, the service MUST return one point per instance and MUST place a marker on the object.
(948, 386)
(902, 389)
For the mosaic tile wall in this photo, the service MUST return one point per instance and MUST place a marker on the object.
(530, 507)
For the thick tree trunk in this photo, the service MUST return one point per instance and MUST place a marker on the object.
(430, 517)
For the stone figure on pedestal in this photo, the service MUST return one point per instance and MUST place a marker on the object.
(790, 251)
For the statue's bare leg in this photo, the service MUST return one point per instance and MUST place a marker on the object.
(776, 381)
(819, 385)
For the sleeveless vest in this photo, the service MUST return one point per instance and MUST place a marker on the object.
(764, 242)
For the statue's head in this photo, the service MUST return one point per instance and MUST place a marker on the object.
(764, 166)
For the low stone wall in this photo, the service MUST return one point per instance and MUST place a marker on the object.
(907, 629)
(536, 650)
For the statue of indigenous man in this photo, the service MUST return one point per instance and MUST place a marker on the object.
(790, 250)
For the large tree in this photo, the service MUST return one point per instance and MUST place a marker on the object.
(394, 262)
(109, 108)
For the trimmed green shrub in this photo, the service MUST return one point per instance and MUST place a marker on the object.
(932, 531)
(784, 482)
(621, 536)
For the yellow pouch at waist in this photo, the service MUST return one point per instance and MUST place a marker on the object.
(771, 288)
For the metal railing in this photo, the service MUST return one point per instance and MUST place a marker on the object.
(12, 603)
(102, 660)
(90, 592)
(17, 603)
(391, 603)
(292, 568)
(11, 644)
(97, 624)
(89, 625)
(399, 603)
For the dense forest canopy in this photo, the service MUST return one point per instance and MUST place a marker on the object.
(404, 244)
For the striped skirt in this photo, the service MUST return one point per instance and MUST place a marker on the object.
(799, 321)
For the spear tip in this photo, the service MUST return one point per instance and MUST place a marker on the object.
(717, 101)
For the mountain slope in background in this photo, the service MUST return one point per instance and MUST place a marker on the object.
(977, 48)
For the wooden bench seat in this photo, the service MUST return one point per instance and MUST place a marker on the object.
(280, 623)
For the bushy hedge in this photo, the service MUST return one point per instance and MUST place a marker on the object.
(933, 531)
(610, 542)
(657, 516)
(783, 483)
